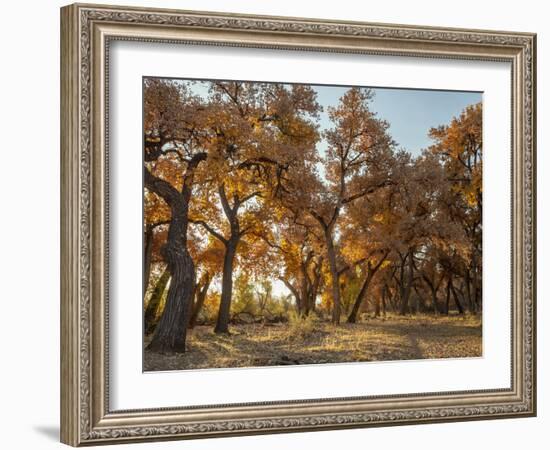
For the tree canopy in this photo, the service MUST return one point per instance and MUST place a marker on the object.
(238, 197)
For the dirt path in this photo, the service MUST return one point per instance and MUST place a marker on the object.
(396, 338)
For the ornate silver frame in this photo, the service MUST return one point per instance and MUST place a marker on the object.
(86, 31)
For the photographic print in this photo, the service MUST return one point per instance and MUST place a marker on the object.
(290, 224)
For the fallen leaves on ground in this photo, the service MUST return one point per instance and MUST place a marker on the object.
(380, 339)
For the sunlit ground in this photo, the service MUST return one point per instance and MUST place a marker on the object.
(314, 342)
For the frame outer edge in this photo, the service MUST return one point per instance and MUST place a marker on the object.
(69, 185)
(79, 425)
(533, 229)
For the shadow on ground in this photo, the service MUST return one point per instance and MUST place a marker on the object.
(389, 339)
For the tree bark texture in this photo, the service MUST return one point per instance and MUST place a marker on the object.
(170, 333)
(222, 323)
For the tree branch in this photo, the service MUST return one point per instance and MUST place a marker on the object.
(248, 197)
(225, 203)
(152, 226)
(291, 288)
(160, 187)
(367, 191)
(211, 230)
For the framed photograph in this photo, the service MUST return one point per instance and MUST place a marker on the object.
(276, 224)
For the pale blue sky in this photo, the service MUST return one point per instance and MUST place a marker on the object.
(410, 112)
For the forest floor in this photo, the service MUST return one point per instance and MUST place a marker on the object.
(314, 342)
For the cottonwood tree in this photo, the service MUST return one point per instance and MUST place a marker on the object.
(408, 218)
(356, 165)
(298, 250)
(365, 243)
(173, 150)
(444, 238)
(208, 255)
(156, 220)
(459, 146)
(348, 221)
(261, 130)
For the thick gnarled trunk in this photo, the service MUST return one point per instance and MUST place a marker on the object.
(170, 333)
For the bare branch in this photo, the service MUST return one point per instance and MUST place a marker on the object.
(211, 230)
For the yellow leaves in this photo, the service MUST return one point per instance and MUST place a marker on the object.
(170, 169)
(460, 147)
(211, 258)
(285, 200)
(254, 123)
(155, 208)
(471, 194)
(471, 198)
(354, 251)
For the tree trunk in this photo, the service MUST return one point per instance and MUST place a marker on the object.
(405, 290)
(200, 298)
(475, 286)
(434, 288)
(371, 271)
(152, 310)
(222, 324)
(331, 253)
(434, 302)
(457, 301)
(469, 297)
(170, 333)
(401, 285)
(294, 292)
(352, 318)
(478, 295)
(305, 288)
(312, 299)
(448, 297)
(418, 300)
(391, 298)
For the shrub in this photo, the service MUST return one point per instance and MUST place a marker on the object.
(300, 327)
